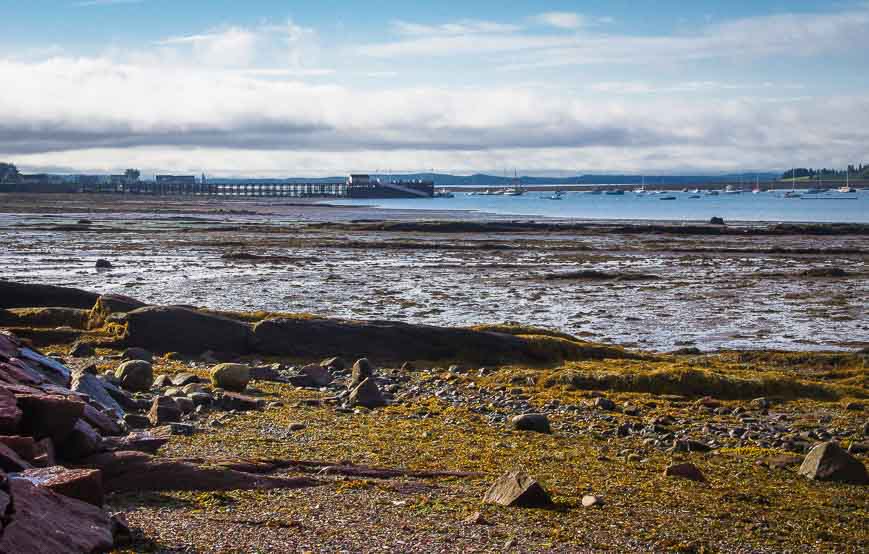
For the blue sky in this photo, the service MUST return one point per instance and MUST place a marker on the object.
(277, 88)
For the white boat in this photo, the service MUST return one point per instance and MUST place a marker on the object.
(847, 189)
(443, 193)
(730, 189)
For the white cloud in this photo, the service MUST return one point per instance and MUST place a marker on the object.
(561, 20)
(463, 27)
(88, 3)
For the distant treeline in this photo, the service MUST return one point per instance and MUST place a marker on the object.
(8, 172)
(854, 171)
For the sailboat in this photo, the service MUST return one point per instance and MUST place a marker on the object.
(793, 192)
(756, 189)
(847, 188)
(516, 188)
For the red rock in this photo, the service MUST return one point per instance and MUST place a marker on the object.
(75, 526)
(23, 446)
(5, 499)
(49, 416)
(140, 442)
(45, 453)
(18, 371)
(164, 410)
(10, 414)
(103, 423)
(81, 442)
(135, 471)
(82, 484)
(10, 460)
(237, 401)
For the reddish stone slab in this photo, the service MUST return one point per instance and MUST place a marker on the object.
(23, 446)
(49, 416)
(10, 460)
(10, 414)
(82, 484)
(75, 526)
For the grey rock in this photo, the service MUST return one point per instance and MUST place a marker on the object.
(136, 353)
(367, 395)
(183, 379)
(135, 375)
(531, 422)
(92, 386)
(517, 489)
(829, 462)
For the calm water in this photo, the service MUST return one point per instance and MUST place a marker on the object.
(828, 207)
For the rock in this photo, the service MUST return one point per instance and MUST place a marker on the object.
(408, 367)
(45, 455)
(49, 416)
(829, 462)
(183, 379)
(164, 410)
(267, 373)
(135, 471)
(296, 426)
(334, 364)
(76, 526)
(531, 422)
(516, 489)
(10, 414)
(231, 377)
(161, 381)
(10, 460)
(92, 386)
(138, 354)
(106, 425)
(590, 500)
(760, 403)
(121, 532)
(135, 375)
(103, 264)
(475, 519)
(318, 375)
(854, 407)
(361, 371)
(81, 442)
(715, 220)
(26, 295)
(109, 304)
(82, 484)
(866, 429)
(688, 445)
(367, 395)
(235, 401)
(185, 404)
(192, 388)
(685, 471)
(201, 398)
(137, 421)
(82, 350)
(386, 340)
(136, 441)
(173, 392)
(604, 404)
(25, 447)
(185, 330)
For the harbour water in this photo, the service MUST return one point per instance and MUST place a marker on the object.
(828, 207)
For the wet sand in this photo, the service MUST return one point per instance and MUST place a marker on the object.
(654, 288)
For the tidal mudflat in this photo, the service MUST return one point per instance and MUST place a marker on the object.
(659, 287)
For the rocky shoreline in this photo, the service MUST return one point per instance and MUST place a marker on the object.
(107, 401)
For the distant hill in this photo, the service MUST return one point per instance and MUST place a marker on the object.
(483, 180)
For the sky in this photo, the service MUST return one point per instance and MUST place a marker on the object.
(275, 88)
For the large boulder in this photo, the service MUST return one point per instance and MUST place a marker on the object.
(309, 338)
(179, 329)
(135, 375)
(685, 471)
(515, 488)
(232, 377)
(82, 441)
(44, 521)
(829, 462)
(91, 385)
(26, 295)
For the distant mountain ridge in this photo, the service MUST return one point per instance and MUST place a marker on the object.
(482, 179)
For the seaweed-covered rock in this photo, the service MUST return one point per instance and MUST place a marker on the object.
(135, 375)
(109, 304)
(517, 489)
(185, 330)
(232, 377)
(829, 462)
